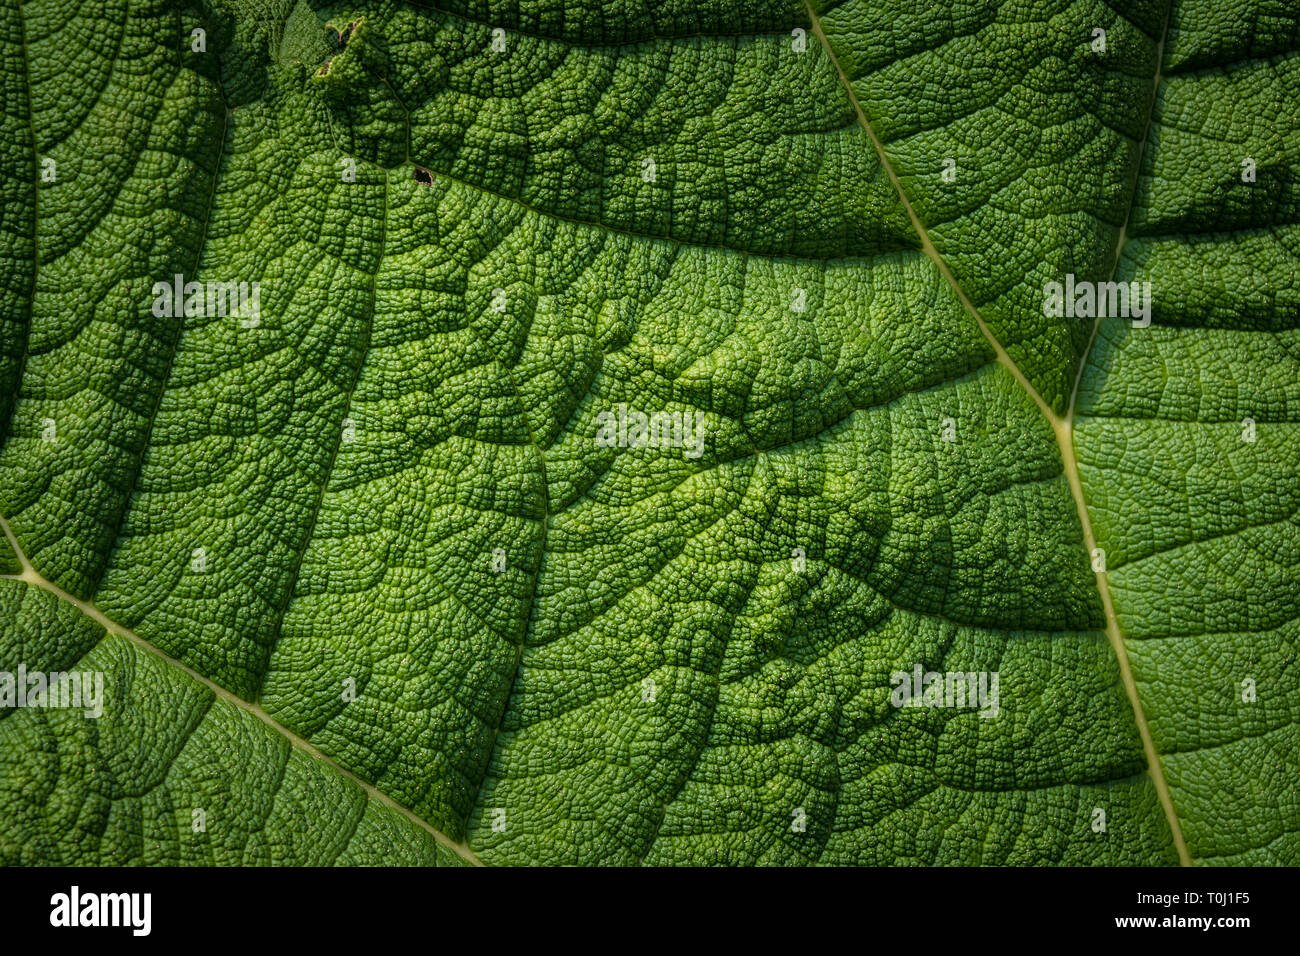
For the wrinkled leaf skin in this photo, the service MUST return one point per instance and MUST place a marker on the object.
(364, 586)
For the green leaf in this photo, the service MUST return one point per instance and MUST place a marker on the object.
(370, 577)
(1187, 439)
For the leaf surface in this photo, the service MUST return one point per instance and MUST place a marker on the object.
(365, 587)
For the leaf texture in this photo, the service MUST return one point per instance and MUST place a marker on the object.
(363, 584)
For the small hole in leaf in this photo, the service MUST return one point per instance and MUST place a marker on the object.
(346, 34)
(422, 175)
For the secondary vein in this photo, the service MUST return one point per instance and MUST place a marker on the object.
(1061, 428)
(32, 577)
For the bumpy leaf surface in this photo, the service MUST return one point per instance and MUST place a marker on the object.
(363, 583)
